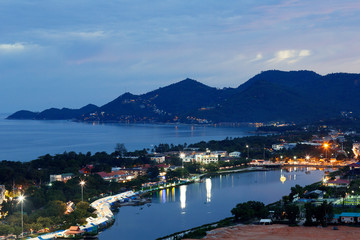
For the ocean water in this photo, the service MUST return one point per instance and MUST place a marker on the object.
(25, 140)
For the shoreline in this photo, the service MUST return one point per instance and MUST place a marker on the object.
(99, 204)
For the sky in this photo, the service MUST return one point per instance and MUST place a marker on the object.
(68, 53)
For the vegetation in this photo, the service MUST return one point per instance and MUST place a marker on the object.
(249, 210)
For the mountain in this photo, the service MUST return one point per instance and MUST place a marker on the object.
(167, 104)
(54, 113)
(273, 95)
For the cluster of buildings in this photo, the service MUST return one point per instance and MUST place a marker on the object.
(195, 156)
(117, 174)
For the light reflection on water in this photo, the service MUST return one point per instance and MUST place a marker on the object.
(188, 206)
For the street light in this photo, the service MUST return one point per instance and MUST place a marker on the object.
(326, 146)
(21, 200)
(307, 157)
(82, 183)
(247, 146)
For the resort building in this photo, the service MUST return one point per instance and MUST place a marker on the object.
(61, 177)
(235, 154)
(117, 176)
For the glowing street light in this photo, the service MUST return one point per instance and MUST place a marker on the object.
(82, 183)
(326, 146)
(247, 146)
(307, 157)
(21, 200)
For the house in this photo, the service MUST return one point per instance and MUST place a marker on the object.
(354, 166)
(219, 153)
(207, 158)
(116, 176)
(189, 158)
(257, 162)
(338, 183)
(265, 221)
(348, 217)
(158, 158)
(235, 154)
(73, 232)
(61, 177)
(277, 147)
(87, 169)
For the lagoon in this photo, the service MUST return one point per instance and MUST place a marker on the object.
(184, 207)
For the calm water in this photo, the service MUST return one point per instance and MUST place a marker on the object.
(24, 140)
(185, 207)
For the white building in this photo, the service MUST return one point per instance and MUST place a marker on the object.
(220, 153)
(206, 159)
(189, 158)
(277, 147)
(235, 154)
(158, 159)
(61, 177)
(2, 194)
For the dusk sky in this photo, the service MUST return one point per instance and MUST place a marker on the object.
(70, 53)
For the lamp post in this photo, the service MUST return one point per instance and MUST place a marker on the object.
(82, 183)
(21, 200)
(247, 146)
(326, 147)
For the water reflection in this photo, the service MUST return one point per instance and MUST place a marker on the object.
(183, 196)
(208, 189)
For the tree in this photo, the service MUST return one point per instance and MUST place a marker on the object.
(120, 149)
(292, 212)
(248, 210)
(323, 213)
(309, 213)
(153, 172)
(55, 208)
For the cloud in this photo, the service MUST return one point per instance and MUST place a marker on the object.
(7, 48)
(289, 56)
(258, 57)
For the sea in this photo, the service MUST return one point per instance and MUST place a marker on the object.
(26, 140)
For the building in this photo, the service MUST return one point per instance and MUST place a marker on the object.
(189, 158)
(346, 217)
(356, 149)
(235, 154)
(206, 158)
(61, 177)
(2, 193)
(73, 231)
(219, 153)
(338, 183)
(116, 176)
(277, 147)
(158, 159)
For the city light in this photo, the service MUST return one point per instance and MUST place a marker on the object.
(82, 183)
(326, 146)
(21, 200)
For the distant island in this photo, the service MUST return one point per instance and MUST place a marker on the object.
(294, 96)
